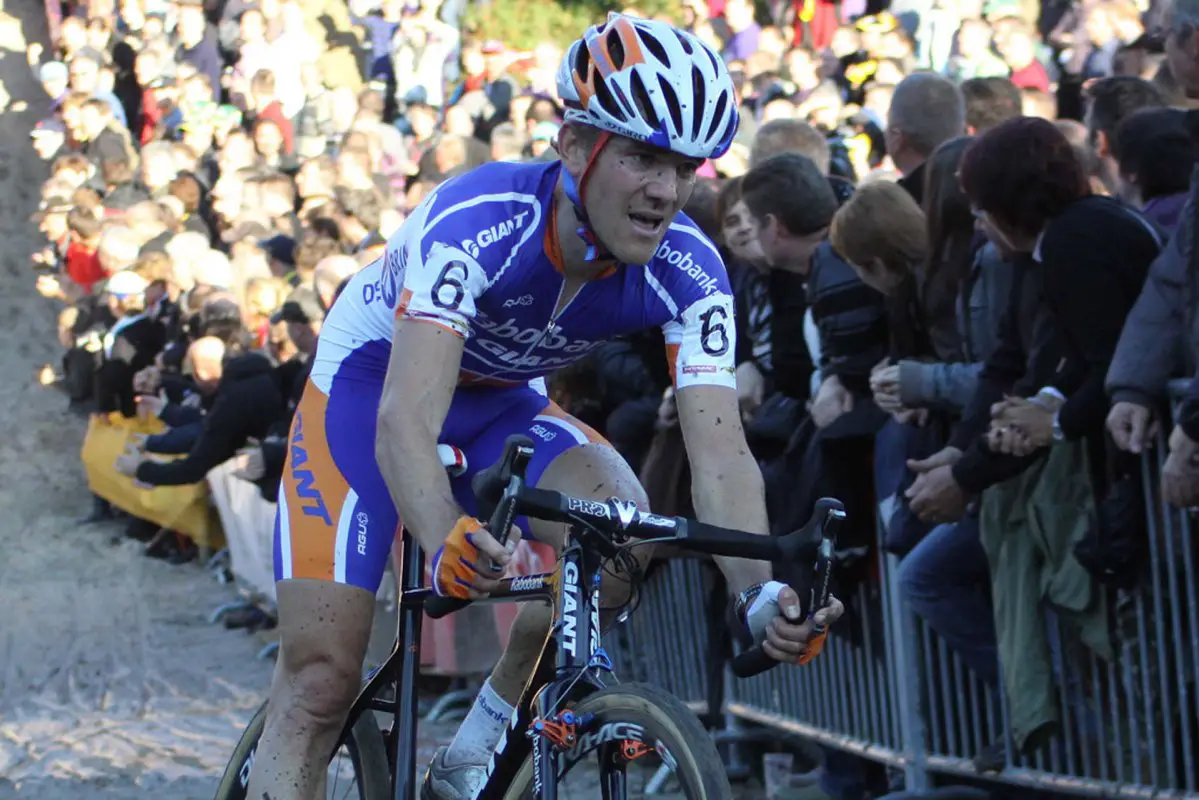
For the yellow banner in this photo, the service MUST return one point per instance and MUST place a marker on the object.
(179, 508)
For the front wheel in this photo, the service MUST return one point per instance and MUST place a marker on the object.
(642, 740)
(358, 770)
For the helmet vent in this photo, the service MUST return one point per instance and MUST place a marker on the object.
(672, 104)
(699, 91)
(652, 44)
(582, 61)
(615, 48)
(685, 42)
(717, 113)
(641, 98)
(603, 96)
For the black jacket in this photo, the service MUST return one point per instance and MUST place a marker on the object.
(248, 402)
(852, 319)
(1065, 315)
(114, 378)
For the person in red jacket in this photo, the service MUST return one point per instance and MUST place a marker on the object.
(82, 260)
(148, 71)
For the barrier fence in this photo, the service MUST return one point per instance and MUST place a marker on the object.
(888, 689)
(899, 696)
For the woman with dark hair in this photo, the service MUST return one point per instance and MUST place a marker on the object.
(964, 290)
(1032, 442)
(944, 575)
(1085, 258)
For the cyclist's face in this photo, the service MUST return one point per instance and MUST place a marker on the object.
(634, 192)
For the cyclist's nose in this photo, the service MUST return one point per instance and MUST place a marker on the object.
(663, 187)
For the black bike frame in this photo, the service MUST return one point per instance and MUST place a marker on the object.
(571, 662)
(573, 647)
(567, 669)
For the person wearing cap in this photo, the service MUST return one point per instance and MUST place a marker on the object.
(303, 314)
(51, 218)
(54, 78)
(542, 140)
(49, 139)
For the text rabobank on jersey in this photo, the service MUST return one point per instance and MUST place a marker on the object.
(682, 260)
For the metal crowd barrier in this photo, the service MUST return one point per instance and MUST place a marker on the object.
(900, 697)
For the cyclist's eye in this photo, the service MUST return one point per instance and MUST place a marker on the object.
(643, 160)
(687, 171)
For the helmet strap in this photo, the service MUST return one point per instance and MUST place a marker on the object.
(595, 249)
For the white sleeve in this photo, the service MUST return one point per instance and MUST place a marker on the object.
(701, 343)
(441, 282)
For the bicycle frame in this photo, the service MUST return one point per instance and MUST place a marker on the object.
(571, 659)
(569, 667)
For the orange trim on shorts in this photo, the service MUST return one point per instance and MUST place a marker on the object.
(556, 411)
(313, 489)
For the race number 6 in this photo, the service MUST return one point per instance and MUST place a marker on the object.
(713, 336)
(448, 290)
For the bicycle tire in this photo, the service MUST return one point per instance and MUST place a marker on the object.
(368, 755)
(666, 721)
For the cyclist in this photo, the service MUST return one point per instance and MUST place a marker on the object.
(498, 278)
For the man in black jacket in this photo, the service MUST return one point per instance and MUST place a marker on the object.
(248, 402)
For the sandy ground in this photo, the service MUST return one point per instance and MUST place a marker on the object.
(112, 682)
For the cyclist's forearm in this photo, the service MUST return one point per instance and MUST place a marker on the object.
(733, 496)
(416, 479)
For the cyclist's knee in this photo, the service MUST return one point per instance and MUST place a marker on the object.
(592, 472)
(315, 691)
(324, 629)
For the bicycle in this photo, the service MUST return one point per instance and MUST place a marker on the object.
(567, 710)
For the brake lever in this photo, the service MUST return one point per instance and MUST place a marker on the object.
(755, 660)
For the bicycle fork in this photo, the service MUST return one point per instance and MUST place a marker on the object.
(544, 725)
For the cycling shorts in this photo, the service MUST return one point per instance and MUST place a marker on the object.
(336, 520)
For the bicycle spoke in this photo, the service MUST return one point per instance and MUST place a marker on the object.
(341, 783)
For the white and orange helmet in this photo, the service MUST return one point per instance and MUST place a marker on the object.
(650, 81)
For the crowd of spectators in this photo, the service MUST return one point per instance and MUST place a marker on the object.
(937, 217)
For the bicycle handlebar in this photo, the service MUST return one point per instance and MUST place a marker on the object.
(503, 496)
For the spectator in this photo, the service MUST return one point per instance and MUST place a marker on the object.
(331, 274)
(84, 78)
(1018, 47)
(1109, 102)
(130, 345)
(359, 220)
(990, 101)
(1154, 155)
(790, 136)
(197, 42)
(246, 402)
(926, 110)
(264, 105)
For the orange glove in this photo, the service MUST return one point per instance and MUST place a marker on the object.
(454, 568)
(815, 645)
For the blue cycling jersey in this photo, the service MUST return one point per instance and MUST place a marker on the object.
(480, 257)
